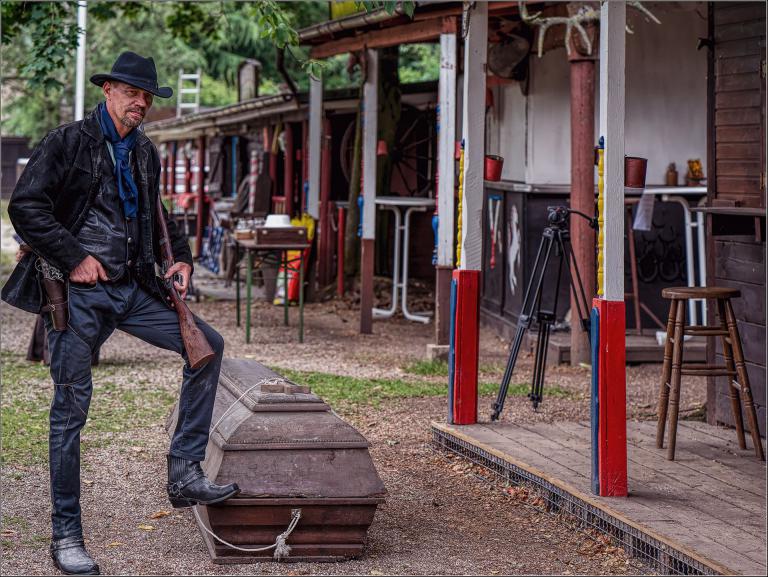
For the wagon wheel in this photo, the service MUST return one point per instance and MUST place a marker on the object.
(412, 153)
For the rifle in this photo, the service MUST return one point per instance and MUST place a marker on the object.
(199, 351)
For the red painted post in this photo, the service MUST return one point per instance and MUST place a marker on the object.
(582, 69)
(466, 346)
(288, 170)
(612, 432)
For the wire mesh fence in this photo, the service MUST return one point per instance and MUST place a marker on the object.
(656, 554)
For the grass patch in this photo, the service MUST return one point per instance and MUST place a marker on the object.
(15, 522)
(433, 368)
(27, 392)
(342, 390)
(7, 262)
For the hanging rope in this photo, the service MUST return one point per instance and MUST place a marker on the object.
(282, 549)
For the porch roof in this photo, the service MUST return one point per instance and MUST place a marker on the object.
(378, 29)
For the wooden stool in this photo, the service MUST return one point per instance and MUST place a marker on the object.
(674, 367)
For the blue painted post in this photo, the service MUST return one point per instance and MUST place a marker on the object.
(594, 402)
(360, 201)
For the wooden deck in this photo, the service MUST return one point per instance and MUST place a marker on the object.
(640, 348)
(709, 504)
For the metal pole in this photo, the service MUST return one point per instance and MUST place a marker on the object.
(82, 13)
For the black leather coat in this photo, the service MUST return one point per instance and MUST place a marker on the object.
(52, 199)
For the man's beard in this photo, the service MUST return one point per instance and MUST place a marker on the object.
(129, 121)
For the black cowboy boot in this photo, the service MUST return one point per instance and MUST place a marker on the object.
(71, 558)
(188, 485)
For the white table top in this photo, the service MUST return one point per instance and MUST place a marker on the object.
(677, 190)
(405, 201)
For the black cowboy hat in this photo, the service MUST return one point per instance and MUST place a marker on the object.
(136, 71)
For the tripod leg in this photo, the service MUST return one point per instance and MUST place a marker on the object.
(524, 320)
(546, 320)
(497, 407)
(540, 364)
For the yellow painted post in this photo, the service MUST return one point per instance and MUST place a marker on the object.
(600, 214)
(461, 196)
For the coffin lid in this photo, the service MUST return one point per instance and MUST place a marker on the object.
(256, 408)
(276, 439)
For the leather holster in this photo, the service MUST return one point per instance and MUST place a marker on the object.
(58, 304)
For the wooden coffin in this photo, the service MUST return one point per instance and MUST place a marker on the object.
(286, 450)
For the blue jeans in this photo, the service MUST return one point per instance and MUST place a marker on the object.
(94, 313)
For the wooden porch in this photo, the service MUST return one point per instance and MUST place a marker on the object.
(704, 513)
(640, 349)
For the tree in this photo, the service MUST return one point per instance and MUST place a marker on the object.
(39, 41)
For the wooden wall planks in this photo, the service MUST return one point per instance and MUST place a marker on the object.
(736, 160)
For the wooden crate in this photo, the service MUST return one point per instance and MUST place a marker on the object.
(280, 236)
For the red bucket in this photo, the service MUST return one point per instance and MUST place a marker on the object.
(493, 166)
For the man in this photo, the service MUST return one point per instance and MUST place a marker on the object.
(86, 205)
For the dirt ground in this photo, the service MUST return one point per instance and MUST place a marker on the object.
(440, 516)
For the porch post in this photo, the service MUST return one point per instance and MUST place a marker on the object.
(444, 214)
(288, 175)
(612, 426)
(582, 71)
(315, 141)
(200, 196)
(370, 131)
(464, 354)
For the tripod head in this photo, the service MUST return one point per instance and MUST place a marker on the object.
(558, 216)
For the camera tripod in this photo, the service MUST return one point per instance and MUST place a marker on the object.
(554, 237)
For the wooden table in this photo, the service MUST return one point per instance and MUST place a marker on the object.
(251, 247)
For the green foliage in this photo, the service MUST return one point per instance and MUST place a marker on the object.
(433, 368)
(39, 41)
(52, 29)
(419, 63)
(389, 6)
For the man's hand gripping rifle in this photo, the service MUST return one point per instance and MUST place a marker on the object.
(199, 351)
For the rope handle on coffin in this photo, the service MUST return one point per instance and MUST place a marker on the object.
(282, 549)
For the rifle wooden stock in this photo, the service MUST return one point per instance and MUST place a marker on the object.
(199, 351)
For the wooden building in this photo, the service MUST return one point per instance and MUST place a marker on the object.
(736, 199)
(13, 149)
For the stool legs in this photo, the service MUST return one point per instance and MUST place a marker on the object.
(677, 361)
(666, 371)
(733, 392)
(741, 372)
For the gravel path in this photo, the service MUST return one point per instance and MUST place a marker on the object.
(439, 518)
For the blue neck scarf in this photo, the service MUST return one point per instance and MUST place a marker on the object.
(129, 194)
